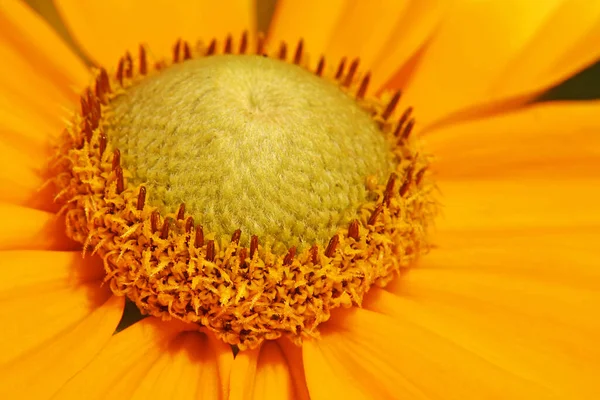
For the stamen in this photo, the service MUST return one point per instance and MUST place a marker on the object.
(177, 51)
(420, 175)
(87, 130)
(253, 245)
(389, 189)
(408, 129)
(353, 231)
(189, 224)
(351, 71)
(181, 212)
(95, 110)
(320, 67)
(243, 255)
(212, 47)
(402, 121)
(314, 254)
(116, 159)
(187, 51)
(235, 238)
(244, 42)
(340, 70)
(407, 179)
(154, 220)
(298, 55)
(85, 109)
(362, 90)
(143, 61)
(102, 143)
(228, 45)
(120, 69)
(165, 229)
(199, 240)
(210, 250)
(287, 260)
(375, 214)
(120, 180)
(389, 110)
(129, 65)
(282, 51)
(332, 246)
(260, 44)
(141, 200)
(102, 86)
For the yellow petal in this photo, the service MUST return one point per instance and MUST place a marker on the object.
(313, 21)
(107, 29)
(187, 369)
(389, 357)
(362, 29)
(327, 375)
(565, 44)
(268, 373)
(560, 256)
(37, 317)
(20, 176)
(40, 372)
(399, 49)
(34, 271)
(464, 62)
(43, 294)
(39, 75)
(29, 229)
(537, 329)
(150, 352)
(516, 206)
(558, 140)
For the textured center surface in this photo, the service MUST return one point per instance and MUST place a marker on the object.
(250, 143)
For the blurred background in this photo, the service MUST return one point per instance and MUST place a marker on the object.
(584, 86)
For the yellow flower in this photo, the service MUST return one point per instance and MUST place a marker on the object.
(502, 307)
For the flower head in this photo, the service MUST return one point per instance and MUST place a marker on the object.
(501, 306)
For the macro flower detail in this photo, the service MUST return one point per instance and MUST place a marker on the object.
(316, 246)
(456, 255)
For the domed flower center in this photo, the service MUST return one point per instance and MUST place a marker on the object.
(242, 193)
(250, 143)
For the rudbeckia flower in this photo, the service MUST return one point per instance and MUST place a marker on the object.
(291, 206)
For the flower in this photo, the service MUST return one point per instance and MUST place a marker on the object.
(502, 307)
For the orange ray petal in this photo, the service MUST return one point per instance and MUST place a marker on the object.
(540, 329)
(29, 229)
(362, 29)
(387, 357)
(565, 44)
(313, 21)
(38, 316)
(187, 369)
(560, 140)
(39, 75)
(270, 372)
(58, 313)
(561, 256)
(463, 64)
(107, 29)
(143, 355)
(39, 373)
(20, 175)
(410, 33)
(519, 206)
(35, 271)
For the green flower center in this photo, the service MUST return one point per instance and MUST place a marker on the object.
(250, 143)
